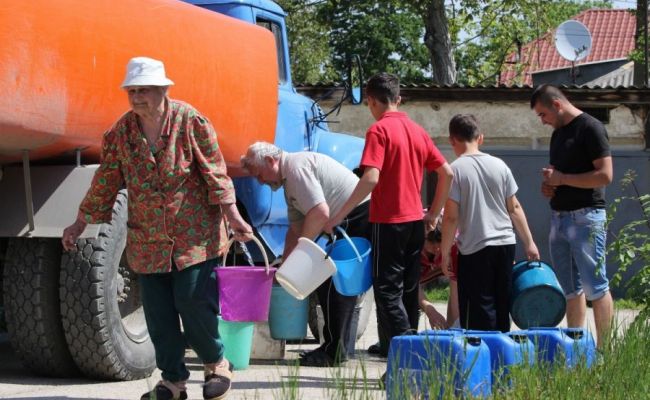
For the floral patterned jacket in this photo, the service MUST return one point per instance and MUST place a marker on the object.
(174, 194)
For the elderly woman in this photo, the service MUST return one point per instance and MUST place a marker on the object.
(166, 154)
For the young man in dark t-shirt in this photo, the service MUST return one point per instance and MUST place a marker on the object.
(580, 168)
(394, 157)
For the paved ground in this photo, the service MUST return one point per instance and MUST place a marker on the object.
(262, 380)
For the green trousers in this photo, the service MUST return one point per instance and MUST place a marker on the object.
(190, 294)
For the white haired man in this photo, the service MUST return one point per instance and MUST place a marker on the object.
(315, 187)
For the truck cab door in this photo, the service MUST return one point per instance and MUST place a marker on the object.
(267, 210)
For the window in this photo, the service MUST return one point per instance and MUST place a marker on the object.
(276, 29)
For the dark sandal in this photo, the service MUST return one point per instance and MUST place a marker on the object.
(217, 384)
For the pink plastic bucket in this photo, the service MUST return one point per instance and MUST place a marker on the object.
(245, 291)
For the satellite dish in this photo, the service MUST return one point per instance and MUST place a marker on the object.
(573, 40)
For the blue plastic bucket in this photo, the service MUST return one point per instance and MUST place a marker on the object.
(420, 363)
(237, 338)
(537, 298)
(352, 259)
(572, 346)
(288, 316)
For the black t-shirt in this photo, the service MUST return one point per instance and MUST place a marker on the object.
(574, 147)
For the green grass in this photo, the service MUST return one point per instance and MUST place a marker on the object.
(622, 373)
(438, 293)
(626, 304)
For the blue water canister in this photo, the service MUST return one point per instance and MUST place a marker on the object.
(525, 348)
(425, 365)
(287, 315)
(505, 351)
(537, 298)
(575, 346)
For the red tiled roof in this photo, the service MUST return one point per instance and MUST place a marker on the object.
(612, 36)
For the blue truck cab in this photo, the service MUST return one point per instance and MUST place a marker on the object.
(299, 127)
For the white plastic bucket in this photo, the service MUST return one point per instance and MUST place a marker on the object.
(305, 269)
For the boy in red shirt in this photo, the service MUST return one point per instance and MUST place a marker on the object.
(394, 157)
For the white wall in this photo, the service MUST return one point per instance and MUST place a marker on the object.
(506, 125)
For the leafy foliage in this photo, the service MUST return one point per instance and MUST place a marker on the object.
(486, 32)
(631, 244)
(389, 35)
(386, 34)
(308, 42)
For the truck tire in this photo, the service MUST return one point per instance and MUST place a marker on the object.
(3, 253)
(101, 309)
(365, 303)
(31, 301)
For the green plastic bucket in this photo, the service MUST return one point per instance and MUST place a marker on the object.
(237, 339)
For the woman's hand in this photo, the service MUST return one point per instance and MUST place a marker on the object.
(72, 233)
(241, 230)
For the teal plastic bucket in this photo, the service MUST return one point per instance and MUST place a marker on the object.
(288, 316)
(537, 298)
(352, 259)
(237, 338)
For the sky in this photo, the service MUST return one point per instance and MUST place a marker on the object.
(625, 4)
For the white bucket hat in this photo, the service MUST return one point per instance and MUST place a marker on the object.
(145, 71)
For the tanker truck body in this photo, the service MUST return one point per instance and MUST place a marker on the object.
(62, 66)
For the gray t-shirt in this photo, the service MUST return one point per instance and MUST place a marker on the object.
(481, 185)
(311, 178)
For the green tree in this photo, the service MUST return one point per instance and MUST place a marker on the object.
(443, 41)
(386, 34)
(437, 39)
(309, 45)
(485, 32)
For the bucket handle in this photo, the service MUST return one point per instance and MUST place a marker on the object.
(257, 242)
(345, 235)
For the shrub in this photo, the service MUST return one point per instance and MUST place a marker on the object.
(631, 244)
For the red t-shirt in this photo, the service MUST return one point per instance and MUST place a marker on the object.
(400, 149)
(431, 269)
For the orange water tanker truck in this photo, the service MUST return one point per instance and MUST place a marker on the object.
(61, 68)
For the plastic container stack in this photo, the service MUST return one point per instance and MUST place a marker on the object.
(472, 362)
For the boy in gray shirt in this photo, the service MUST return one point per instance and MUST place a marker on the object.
(483, 207)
